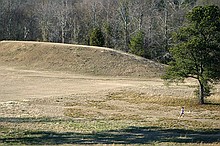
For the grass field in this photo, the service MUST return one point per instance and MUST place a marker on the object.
(116, 118)
(55, 107)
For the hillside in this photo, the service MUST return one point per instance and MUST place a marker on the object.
(44, 102)
(76, 59)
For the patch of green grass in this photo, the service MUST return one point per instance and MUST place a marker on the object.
(94, 121)
(91, 126)
(98, 104)
(122, 116)
(82, 113)
(164, 131)
(112, 133)
(87, 114)
(172, 123)
(101, 105)
(102, 110)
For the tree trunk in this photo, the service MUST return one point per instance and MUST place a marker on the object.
(201, 93)
(62, 34)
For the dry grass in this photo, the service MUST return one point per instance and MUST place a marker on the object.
(76, 59)
(143, 109)
(131, 118)
(127, 111)
(134, 97)
(213, 102)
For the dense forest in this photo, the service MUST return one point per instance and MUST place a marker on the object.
(142, 27)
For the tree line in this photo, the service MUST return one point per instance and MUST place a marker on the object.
(142, 27)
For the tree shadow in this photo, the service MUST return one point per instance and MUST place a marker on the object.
(212, 104)
(29, 119)
(130, 135)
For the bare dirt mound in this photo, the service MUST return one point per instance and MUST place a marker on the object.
(77, 59)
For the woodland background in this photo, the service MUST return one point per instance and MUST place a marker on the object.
(127, 25)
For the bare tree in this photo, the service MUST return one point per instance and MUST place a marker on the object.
(62, 14)
(71, 21)
(124, 11)
(45, 12)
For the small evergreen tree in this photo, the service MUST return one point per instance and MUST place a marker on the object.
(107, 34)
(196, 52)
(137, 44)
(97, 38)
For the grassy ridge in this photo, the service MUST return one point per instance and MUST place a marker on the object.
(77, 59)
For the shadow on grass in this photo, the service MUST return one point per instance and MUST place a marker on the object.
(130, 135)
(29, 119)
(212, 104)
